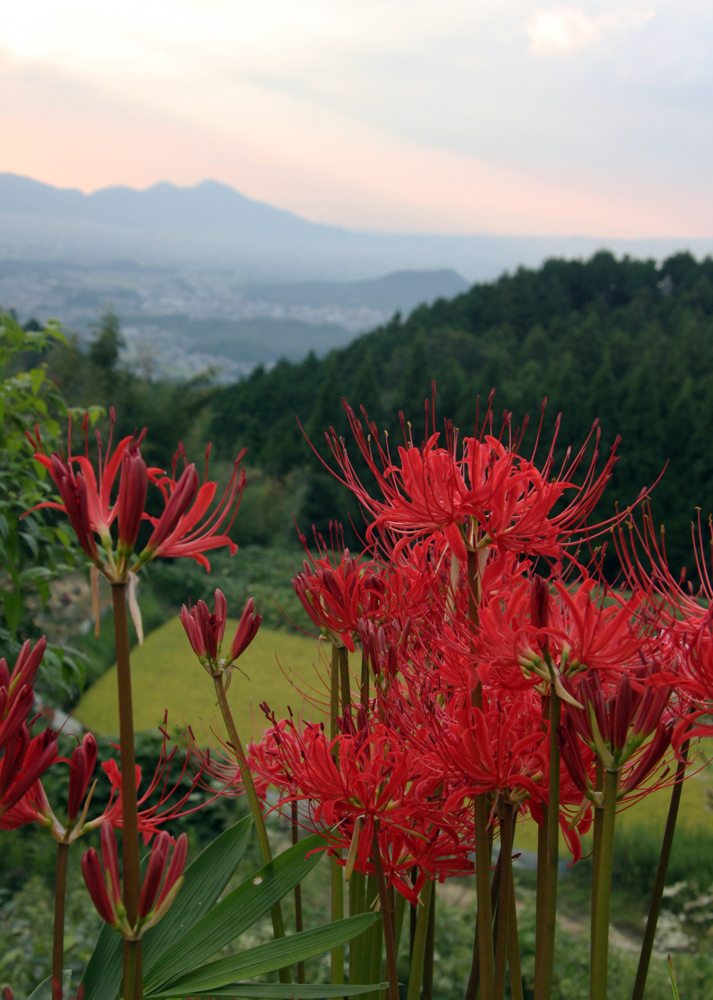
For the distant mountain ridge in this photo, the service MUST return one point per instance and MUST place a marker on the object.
(212, 225)
(210, 205)
(403, 290)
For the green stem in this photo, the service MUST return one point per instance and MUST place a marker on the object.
(516, 991)
(657, 895)
(418, 954)
(553, 840)
(541, 893)
(299, 922)
(133, 985)
(345, 682)
(337, 884)
(386, 920)
(399, 921)
(364, 683)
(486, 953)
(474, 980)
(358, 948)
(427, 991)
(596, 853)
(507, 826)
(376, 953)
(60, 893)
(337, 964)
(600, 948)
(278, 924)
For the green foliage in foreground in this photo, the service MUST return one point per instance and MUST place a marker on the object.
(33, 552)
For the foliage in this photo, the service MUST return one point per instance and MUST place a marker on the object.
(33, 552)
(26, 930)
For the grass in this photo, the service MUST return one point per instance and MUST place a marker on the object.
(166, 675)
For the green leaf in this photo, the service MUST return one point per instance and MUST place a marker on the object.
(37, 377)
(14, 608)
(44, 990)
(237, 912)
(284, 991)
(672, 976)
(270, 957)
(205, 879)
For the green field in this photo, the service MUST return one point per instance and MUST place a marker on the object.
(166, 675)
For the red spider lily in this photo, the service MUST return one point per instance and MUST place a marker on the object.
(151, 817)
(501, 748)
(359, 783)
(34, 806)
(16, 695)
(205, 631)
(25, 760)
(488, 496)
(615, 723)
(337, 590)
(104, 885)
(582, 632)
(186, 528)
(81, 769)
(85, 497)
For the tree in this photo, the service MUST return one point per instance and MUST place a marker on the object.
(104, 349)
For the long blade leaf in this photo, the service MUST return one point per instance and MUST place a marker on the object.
(44, 990)
(269, 957)
(284, 991)
(238, 911)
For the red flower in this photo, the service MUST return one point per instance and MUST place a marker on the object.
(186, 528)
(25, 761)
(104, 885)
(489, 495)
(338, 591)
(205, 631)
(171, 803)
(85, 497)
(16, 694)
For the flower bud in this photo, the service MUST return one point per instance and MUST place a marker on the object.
(154, 874)
(81, 768)
(96, 886)
(132, 497)
(246, 631)
(110, 859)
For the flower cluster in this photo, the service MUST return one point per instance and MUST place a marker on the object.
(476, 621)
(186, 526)
(160, 886)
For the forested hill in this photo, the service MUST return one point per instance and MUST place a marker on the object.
(625, 341)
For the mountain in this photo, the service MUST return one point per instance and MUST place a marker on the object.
(402, 290)
(213, 226)
(207, 207)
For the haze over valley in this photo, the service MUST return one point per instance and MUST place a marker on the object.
(206, 278)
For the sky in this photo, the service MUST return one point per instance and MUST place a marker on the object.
(452, 116)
